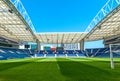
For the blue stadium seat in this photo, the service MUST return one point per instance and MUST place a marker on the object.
(11, 53)
(103, 52)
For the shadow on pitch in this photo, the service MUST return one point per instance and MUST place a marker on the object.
(5, 66)
(82, 71)
(8, 65)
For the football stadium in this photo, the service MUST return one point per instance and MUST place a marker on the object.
(28, 55)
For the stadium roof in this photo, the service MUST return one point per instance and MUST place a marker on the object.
(108, 27)
(12, 23)
(61, 38)
(15, 27)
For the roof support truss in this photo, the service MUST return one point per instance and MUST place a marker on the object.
(106, 9)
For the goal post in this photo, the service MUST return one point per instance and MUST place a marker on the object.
(114, 48)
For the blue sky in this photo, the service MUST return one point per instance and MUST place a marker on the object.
(62, 15)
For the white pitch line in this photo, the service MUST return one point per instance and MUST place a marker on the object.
(58, 67)
(57, 64)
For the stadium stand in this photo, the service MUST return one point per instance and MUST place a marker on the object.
(103, 52)
(60, 53)
(11, 53)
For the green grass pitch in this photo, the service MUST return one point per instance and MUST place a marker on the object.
(59, 69)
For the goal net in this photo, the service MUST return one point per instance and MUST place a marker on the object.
(114, 53)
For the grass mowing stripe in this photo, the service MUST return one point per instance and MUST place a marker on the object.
(87, 71)
(59, 69)
(15, 64)
(96, 62)
(79, 59)
(34, 71)
(16, 60)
